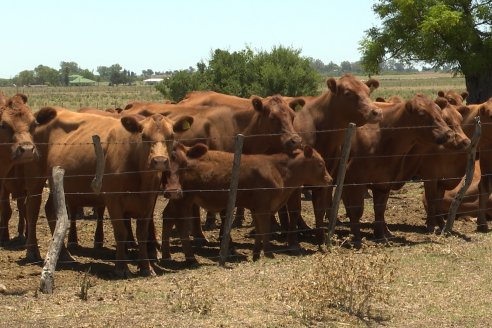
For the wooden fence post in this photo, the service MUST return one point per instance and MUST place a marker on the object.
(470, 169)
(231, 203)
(342, 168)
(96, 183)
(62, 225)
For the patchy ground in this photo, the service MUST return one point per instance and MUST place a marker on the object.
(415, 280)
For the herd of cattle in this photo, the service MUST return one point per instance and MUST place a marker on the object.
(185, 151)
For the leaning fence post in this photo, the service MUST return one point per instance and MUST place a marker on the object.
(470, 169)
(231, 203)
(342, 168)
(96, 183)
(62, 225)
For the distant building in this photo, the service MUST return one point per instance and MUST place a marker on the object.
(152, 81)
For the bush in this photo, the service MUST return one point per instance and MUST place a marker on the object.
(244, 73)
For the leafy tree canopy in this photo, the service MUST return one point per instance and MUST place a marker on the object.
(438, 32)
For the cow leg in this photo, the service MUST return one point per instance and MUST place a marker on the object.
(380, 201)
(177, 212)
(210, 221)
(21, 227)
(320, 205)
(197, 232)
(131, 243)
(99, 233)
(50, 211)
(32, 207)
(143, 238)
(120, 236)
(73, 239)
(484, 191)
(238, 218)
(353, 199)
(431, 197)
(5, 215)
(293, 214)
(265, 233)
(258, 237)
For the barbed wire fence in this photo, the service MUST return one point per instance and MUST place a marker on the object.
(329, 231)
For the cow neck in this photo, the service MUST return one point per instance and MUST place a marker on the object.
(248, 123)
(291, 169)
(395, 140)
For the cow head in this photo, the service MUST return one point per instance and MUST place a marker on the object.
(452, 116)
(157, 135)
(276, 117)
(351, 96)
(313, 167)
(485, 112)
(453, 97)
(17, 124)
(179, 160)
(427, 116)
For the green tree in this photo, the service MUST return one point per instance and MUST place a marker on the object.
(244, 73)
(438, 32)
(25, 77)
(46, 75)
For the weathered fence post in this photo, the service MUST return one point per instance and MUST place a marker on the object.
(231, 203)
(470, 169)
(96, 183)
(62, 225)
(342, 168)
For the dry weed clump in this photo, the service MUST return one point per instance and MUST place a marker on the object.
(335, 284)
(186, 296)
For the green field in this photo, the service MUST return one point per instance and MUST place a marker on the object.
(404, 85)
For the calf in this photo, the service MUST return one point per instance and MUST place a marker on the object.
(265, 184)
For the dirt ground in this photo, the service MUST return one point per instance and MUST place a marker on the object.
(209, 295)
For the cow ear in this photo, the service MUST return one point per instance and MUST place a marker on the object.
(464, 95)
(22, 96)
(373, 84)
(131, 124)
(440, 93)
(127, 107)
(308, 151)
(297, 104)
(182, 124)
(45, 115)
(332, 85)
(197, 151)
(441, 102)
(463, 110)
(257, 104)
(380, 99)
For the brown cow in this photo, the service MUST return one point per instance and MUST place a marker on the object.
(485, 146)
(136, 152)
(442, 169)
(17, 124)
(381, 150)
(322, 122)
(265, 184)
(469, 205)
(453, 97)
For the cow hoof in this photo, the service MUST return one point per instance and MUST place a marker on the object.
(256, 256)
(33, 256)
(123, 273)
(147, 273)
(295, 250)
(210, 226)
(131, 245)
(19, 240)
(98, 245)
(269, 255)
(191, 262)
(482, 228)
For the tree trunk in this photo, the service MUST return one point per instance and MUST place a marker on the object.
(479, 87)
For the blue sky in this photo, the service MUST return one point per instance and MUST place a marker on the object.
(168, 35)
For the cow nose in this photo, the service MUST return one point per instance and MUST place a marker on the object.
(159, 163)
(465, 143)
(377, 113)
(24, 151)
(173, 193)
(294, 143)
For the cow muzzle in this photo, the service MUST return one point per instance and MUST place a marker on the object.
(24, 153)
(293, 143)
(445, 138)
(159, 163)
(375, 115)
